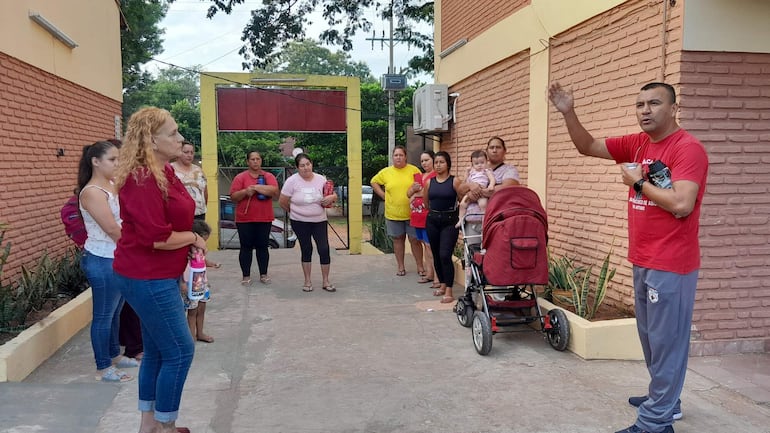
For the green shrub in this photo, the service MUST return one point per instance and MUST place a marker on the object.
(47, 280)
(380, 238)
(585, 297)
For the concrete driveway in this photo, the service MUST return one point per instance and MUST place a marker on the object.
(380, 355)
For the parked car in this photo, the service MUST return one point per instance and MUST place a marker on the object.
(280, 236)
(366, 199)
(366, 194)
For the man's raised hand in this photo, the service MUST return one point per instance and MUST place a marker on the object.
(561, 98)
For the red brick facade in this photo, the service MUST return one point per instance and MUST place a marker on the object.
(605, 61)
(724, 101)
(464, 19)
(39, 114)
(494, 102)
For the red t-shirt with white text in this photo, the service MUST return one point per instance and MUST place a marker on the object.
(657, 239)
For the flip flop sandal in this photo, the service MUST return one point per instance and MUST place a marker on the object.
(401, 273)
(113, 375)
(126, 362)
(422, 273)
(206, 339)
(439, 292)
(307, 288)
(447, 299)
(265, 279)
(424, 280)
(330, 288)
(246, 281)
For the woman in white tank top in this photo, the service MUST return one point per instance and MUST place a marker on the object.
(101, 215)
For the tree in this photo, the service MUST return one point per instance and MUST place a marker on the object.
(140, 40)
(178, 91)
(308, 57)
(278, 22)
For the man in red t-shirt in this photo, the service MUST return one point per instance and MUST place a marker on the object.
(665, 168)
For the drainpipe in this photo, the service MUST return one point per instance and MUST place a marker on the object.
(663, 40)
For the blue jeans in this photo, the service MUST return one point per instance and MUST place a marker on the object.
(168, 345)
(107, 303)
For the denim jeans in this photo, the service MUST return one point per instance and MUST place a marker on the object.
(168, 345)
(107, 303)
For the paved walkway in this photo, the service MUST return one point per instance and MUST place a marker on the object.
(380, 355)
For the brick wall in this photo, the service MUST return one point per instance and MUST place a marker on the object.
(605, 61)
(40, 113)
(467, 19)
(493, 102)
(725, 102)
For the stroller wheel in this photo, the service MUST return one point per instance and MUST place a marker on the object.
(482, 333)
(464, 311)
(558, 335)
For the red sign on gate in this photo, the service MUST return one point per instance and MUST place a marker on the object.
(294, 110)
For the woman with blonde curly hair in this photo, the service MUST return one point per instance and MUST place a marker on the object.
(151, 254)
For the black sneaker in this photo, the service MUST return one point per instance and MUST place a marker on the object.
(635, 429)
(637, 401)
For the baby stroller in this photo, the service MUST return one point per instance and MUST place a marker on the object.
(502, 267)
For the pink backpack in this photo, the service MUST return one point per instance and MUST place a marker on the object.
(74, 226)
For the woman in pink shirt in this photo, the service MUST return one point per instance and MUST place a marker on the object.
(303, 198)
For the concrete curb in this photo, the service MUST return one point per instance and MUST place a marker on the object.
(23, 354)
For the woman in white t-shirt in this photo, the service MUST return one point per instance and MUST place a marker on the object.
(302, 196)
(101, 216)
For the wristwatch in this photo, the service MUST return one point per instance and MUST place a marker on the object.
(638, 185)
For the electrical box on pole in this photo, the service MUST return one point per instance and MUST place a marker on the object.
(394, 82)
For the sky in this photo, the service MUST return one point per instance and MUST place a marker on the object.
(192, 39)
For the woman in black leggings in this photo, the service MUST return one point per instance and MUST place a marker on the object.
(441, 198)
(303, 196)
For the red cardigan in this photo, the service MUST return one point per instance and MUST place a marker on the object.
(149, 218)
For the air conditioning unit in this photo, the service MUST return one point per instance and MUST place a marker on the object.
(430, 107)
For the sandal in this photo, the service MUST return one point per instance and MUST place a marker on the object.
(126, 362)
(435, 285)
(265, 279)
(439, 292)
(422, 273)
(424, 280)
(447, 299)
(308, 288)
(330, 288)
(205, 338)
(246, 281)
(113, 375)
(401, 273)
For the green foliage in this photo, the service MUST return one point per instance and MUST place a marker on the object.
(234, 146)
(585, 297)
(276, 23)
(46, 280)
(176, 90)
(140, 41)
(380, 238)
(558, 269)
(308, 57)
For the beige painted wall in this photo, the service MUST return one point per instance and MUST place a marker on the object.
(727, 25)
(95, 25)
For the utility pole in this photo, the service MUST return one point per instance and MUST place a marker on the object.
(391, 93)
